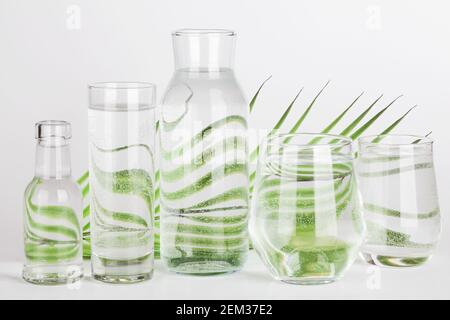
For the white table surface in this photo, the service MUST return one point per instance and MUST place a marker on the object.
(362, 281)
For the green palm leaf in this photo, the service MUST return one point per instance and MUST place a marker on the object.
(255, 153)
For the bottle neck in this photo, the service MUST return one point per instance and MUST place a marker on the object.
(203, 51)
(53, 158)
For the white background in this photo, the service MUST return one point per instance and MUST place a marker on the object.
(51, 49)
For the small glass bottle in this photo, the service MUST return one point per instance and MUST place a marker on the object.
(52, 211)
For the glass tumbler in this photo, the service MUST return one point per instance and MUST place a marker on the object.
(401, 209)
(306, 222)
(121, 177)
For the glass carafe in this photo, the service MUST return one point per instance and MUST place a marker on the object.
(52, 211)
(203, 158)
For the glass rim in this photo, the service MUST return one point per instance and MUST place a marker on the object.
(53, 123)
(122, 85)
(417, 139)
(342, 140)
(203, 32)
(51, 129)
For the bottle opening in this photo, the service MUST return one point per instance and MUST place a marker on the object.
(53, 129)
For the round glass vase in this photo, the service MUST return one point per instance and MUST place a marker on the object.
(306, 222)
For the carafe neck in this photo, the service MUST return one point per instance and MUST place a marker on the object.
(203, 50)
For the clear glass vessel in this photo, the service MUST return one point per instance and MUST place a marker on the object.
(121, 178)
(306, 222)
(52, 211)
(401, 207)
(203, 158)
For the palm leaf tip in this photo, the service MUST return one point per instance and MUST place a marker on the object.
(355, 122)
(306, 112)
(252, 102)
(279, 123)
(392, 126)
(367, 125)
(336, 121)
(426, 136)
(286, 112)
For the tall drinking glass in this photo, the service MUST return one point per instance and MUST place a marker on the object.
(306, 222)
(121, 177)
(401, 207)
